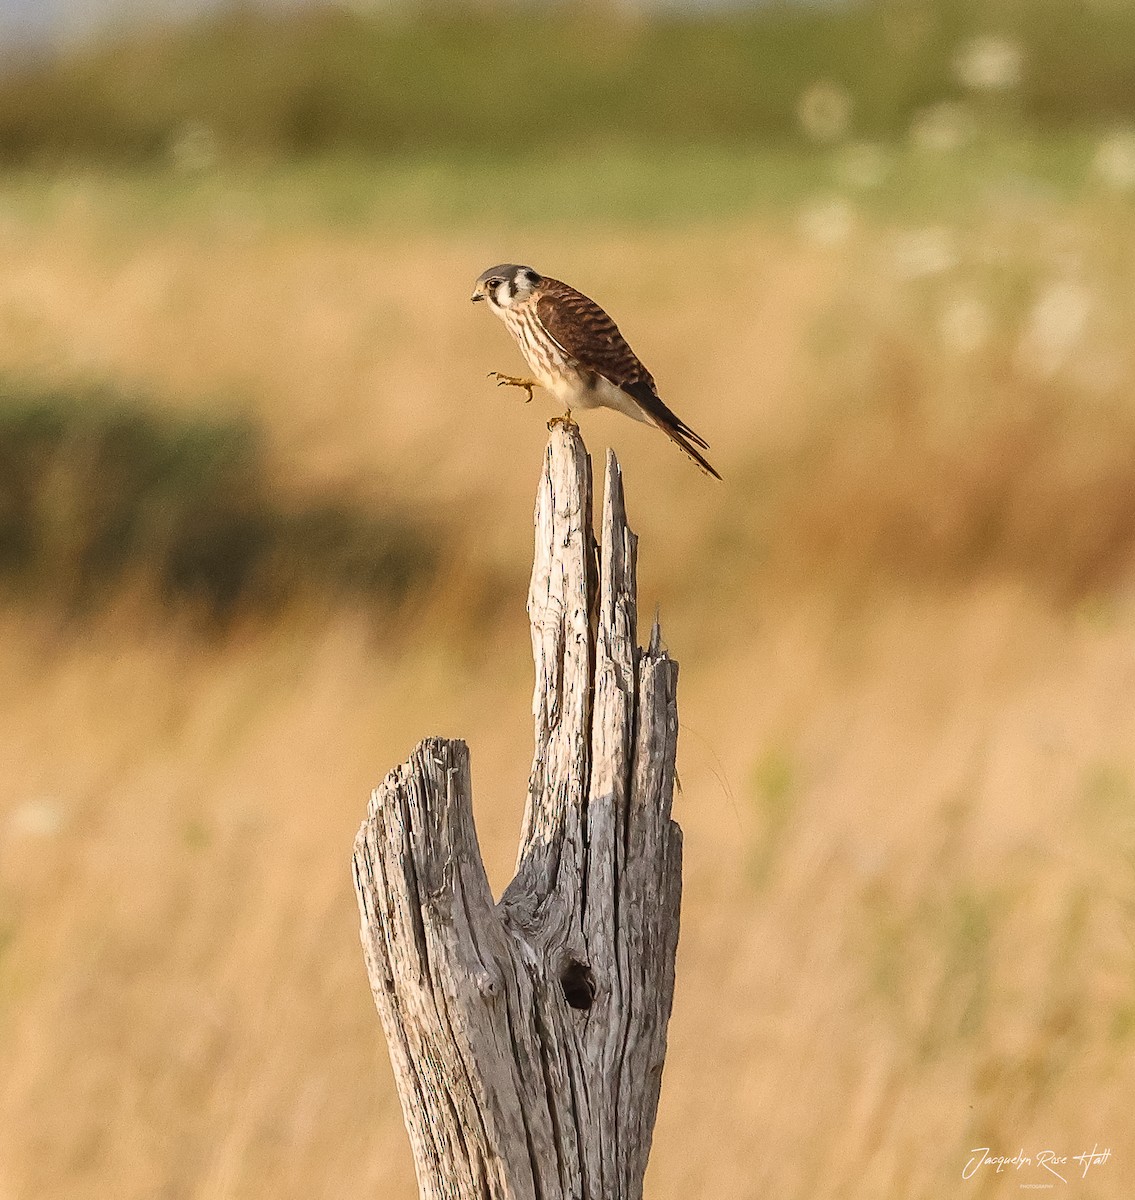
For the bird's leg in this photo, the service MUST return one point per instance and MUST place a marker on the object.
(565, 421)
(515, 381)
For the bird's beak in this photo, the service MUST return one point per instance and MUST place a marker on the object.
(477, 295)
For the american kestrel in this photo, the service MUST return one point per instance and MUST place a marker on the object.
(576, 351)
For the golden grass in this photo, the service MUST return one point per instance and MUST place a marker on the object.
(909, 805)
(933, 955)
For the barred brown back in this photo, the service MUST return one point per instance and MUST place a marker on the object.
(588, 335)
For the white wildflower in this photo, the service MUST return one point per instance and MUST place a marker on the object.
(1114, 160)
(1054, 327)
(964, 324)
(989, 64)
(942, 129)
(40, 818)
(920, 253)
(827, 222)
(824, 111)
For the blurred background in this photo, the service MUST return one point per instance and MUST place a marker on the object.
(264, 523)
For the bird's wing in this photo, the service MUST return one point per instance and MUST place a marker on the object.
(586, 333)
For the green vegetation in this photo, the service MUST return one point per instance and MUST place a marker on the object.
(429, 118)
(436, 84)
(99, 493)
(773, 789)
(640, 188)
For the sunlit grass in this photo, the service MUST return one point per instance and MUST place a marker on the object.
(612, 187)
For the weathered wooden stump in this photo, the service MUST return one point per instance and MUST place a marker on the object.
(528, 1037)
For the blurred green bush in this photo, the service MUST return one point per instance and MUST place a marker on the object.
(99, 494)
(508, 80)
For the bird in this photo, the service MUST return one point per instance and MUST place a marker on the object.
(577, 353)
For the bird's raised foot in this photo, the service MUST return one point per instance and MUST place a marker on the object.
(515, 381)
(565, 421)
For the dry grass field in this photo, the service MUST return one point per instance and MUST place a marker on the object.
(906, 623)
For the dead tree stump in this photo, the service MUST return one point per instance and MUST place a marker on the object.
(528, 1037)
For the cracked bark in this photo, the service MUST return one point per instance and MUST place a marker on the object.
(528, 1036)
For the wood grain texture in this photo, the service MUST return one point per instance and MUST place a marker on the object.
(528, 1037)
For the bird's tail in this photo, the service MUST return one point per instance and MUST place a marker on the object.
(691, 444)
(684, 443)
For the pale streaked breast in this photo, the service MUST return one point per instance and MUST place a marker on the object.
(561, 375)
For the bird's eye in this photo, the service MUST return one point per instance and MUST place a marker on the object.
(494, 283)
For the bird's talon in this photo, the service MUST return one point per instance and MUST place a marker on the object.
(504, 380)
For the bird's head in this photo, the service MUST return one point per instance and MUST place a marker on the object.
(505, 286)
